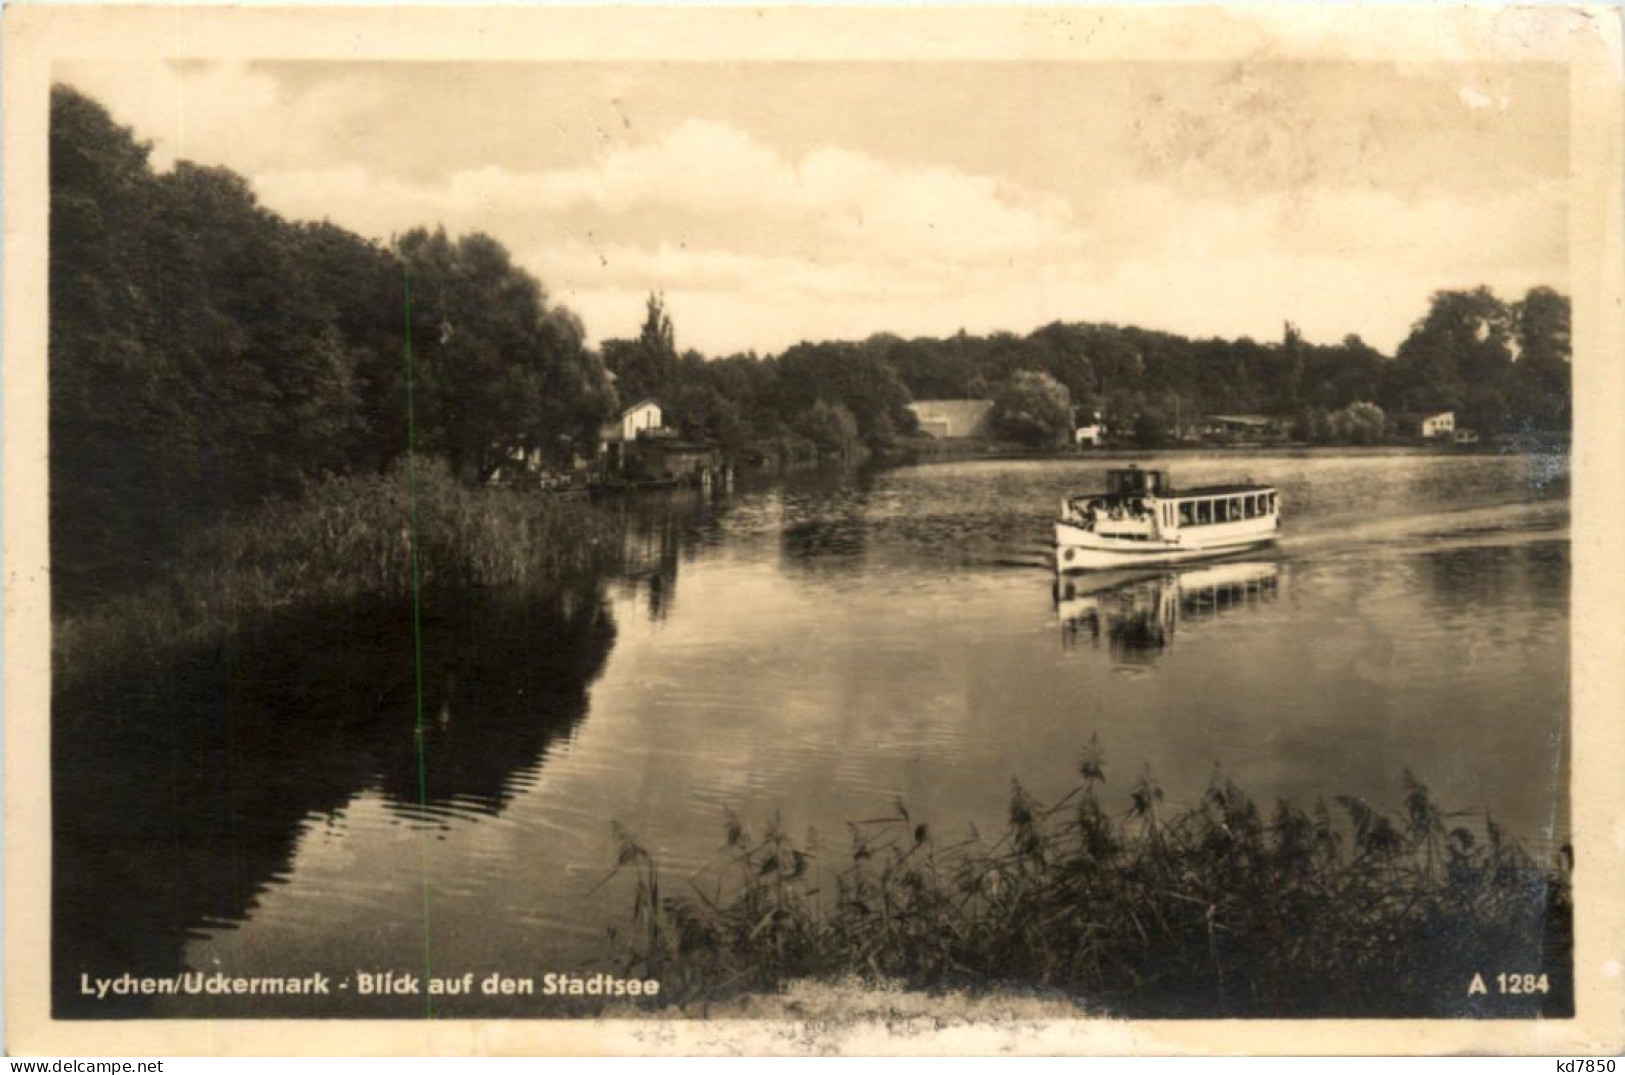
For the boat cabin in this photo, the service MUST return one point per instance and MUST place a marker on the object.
(1142, 504)
(1136, 482)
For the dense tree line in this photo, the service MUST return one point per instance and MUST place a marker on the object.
(1501, 366)
(206, 354)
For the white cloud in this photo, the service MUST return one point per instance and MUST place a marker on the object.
(213, 113)
(712, 169)
(841, 226)
(865, 246)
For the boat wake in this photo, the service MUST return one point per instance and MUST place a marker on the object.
(1353, 535)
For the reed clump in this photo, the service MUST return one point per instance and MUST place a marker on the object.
(1214, 910)
(342, 541)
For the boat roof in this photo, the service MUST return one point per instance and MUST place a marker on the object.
(1198, 491)
(1217, 490)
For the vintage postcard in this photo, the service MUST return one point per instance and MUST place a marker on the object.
(673, 530)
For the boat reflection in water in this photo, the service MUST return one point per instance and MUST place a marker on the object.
(1138, 614)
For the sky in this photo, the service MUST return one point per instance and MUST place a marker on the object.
(779, 202)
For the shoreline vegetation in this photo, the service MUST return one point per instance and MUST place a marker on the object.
(1222, 909)
(999, 451)
(343, 541)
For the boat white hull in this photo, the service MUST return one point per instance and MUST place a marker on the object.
(1077, 549)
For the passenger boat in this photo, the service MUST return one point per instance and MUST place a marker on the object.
(1141, 520)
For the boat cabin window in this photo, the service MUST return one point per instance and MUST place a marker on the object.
(1221, 509)
(1136, 482)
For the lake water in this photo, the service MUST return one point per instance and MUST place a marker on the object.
(815, 650)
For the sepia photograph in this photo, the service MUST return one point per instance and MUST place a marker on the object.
(1078, 525)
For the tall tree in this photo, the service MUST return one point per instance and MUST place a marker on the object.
(645, 368)
(832, 428)
(1457, 357)
(194, 367)
(1295, 351)
(1034, 408)
(497, 367)
(117, 405)
(1543, 389)
(851, 375)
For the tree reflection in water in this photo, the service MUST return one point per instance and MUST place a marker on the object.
(180, 793)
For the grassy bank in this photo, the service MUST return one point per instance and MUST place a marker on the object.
(345, 539)
(1216, 910)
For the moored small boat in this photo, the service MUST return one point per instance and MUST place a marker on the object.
(1140, 520)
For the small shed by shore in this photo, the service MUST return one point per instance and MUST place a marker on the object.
(954, 419)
